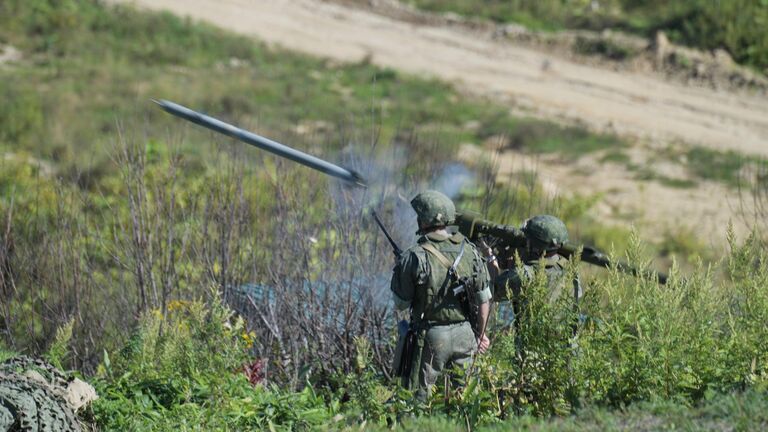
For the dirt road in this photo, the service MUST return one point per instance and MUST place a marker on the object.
(631, 104)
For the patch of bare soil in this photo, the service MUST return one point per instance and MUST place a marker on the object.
(651, 206)
(9, 54)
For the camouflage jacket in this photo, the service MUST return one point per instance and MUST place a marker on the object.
(420, 280)
(509, 284)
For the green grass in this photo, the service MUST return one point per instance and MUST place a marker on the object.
(646, 173)
(6, 353)
(723, 412)
(690, 355)
(572, 142)
(678, 183)
(739, 26)
(616, 156)
(542, 15)
(721, 166)
(700, 163)
(87, 67)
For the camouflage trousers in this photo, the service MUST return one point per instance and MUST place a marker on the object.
(445, 346)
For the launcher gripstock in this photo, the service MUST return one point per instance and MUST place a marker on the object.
(474, 227)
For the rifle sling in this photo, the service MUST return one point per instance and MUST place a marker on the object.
(451, 266)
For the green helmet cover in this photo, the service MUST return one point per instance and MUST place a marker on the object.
(433, 209)
(545, 232)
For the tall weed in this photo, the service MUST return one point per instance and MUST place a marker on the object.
(630, 340)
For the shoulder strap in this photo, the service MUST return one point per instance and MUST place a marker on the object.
(429, 247)
(451, 271)
(451, 266)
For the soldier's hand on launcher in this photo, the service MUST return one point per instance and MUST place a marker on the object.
(484, 248)
(490, 258)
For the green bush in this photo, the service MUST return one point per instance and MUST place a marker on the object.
(21, 114)
(185, 369)
(632, 342)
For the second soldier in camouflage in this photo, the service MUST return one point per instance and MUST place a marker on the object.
(544, 235)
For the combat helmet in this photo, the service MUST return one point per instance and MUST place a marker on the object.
(433, 209)
(545, 232)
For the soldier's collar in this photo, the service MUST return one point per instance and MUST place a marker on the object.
(437, 236)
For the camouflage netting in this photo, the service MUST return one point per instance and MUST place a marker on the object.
(35, 396)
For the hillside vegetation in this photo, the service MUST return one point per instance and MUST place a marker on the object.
(129, 240)
(89, 163)
(738, 26)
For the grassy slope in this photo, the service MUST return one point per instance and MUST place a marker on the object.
(85, 82)
(738, 26)
(84, 69)
(88, 72)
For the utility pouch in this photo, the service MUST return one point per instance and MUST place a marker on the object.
(453, 280)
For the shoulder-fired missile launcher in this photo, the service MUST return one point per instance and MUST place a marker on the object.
(507, 238)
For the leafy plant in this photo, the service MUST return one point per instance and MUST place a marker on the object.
(60, 346)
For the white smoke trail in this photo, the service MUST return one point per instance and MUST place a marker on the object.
(453, 178)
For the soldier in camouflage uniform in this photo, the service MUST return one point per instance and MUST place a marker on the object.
(545, 234)
(445, 283)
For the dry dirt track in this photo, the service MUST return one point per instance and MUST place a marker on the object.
(631, 104)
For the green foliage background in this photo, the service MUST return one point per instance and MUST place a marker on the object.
(66, 189)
